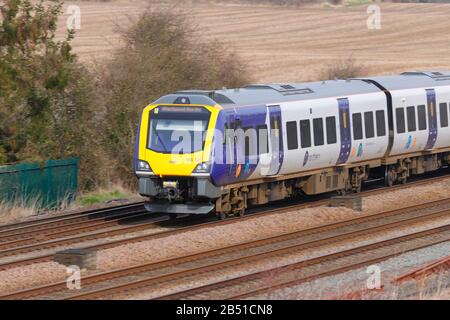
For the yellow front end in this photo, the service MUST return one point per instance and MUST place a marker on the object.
(168, 164)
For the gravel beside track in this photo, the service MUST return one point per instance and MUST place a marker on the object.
(216, 236)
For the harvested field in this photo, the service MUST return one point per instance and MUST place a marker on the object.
(292, 44)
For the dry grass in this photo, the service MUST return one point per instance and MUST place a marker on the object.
(23, 209)
(18, 210)
(294, 44)
(113, 193)
(434, 287)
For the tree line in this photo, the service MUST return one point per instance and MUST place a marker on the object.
(52, 106)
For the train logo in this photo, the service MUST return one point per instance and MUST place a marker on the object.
(238, 170)
(305, 160)
(247, 167)
(409, 142)
(360, 150)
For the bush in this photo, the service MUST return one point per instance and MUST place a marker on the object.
(52, 107)
(343, 69)
(45, 94)
(162, 53)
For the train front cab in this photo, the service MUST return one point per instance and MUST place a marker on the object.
(173, 158)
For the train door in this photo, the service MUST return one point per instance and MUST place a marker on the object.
(344, 124)
(432, 119)
(230, 143)
(275, 140)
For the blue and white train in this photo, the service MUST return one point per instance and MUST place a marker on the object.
(268, 142)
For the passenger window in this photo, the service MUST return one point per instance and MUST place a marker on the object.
(331, 130)
(357, 126)
(422, 115)
(305, 133)
(400, 116)
(444, 115)
(292, 135)
(381, 124)
(368, 124)
(318, 132)
(411, 116)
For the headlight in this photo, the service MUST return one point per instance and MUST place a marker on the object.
(202, 168)
(143, 166)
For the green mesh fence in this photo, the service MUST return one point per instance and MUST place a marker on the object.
(45, 185)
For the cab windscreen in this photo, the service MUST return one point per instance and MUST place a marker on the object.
(177, 130)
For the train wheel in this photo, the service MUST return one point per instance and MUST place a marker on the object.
(238, 202)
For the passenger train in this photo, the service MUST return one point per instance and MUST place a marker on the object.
(268, 142)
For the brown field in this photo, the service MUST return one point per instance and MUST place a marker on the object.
(292, 44)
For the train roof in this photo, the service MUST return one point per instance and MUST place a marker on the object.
(415, 79)
(284, 92)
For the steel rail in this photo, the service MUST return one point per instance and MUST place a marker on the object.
(59, 242)
(27, 227)
(423, 271)
(60, 219)
(323, 235)
(267, 281)
(28, 237)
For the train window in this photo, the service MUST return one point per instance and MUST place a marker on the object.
(444, 115)
(305, 133)
(263, 139)
(357, 126)
(368, 124)
(331, 130)
(422, 117)
(400, 116)
(411, 117)
(292, 135)
(381, 124)
(318, 132)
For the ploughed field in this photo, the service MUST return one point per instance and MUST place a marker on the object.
(282, 44)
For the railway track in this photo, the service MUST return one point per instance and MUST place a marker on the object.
(29, 237)
(440, 265)
(62, 219)
(256, 284)
(53, 228)
(188, 268)
(61, 222)
(54, 240)
(69, 231)
(192, 226)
